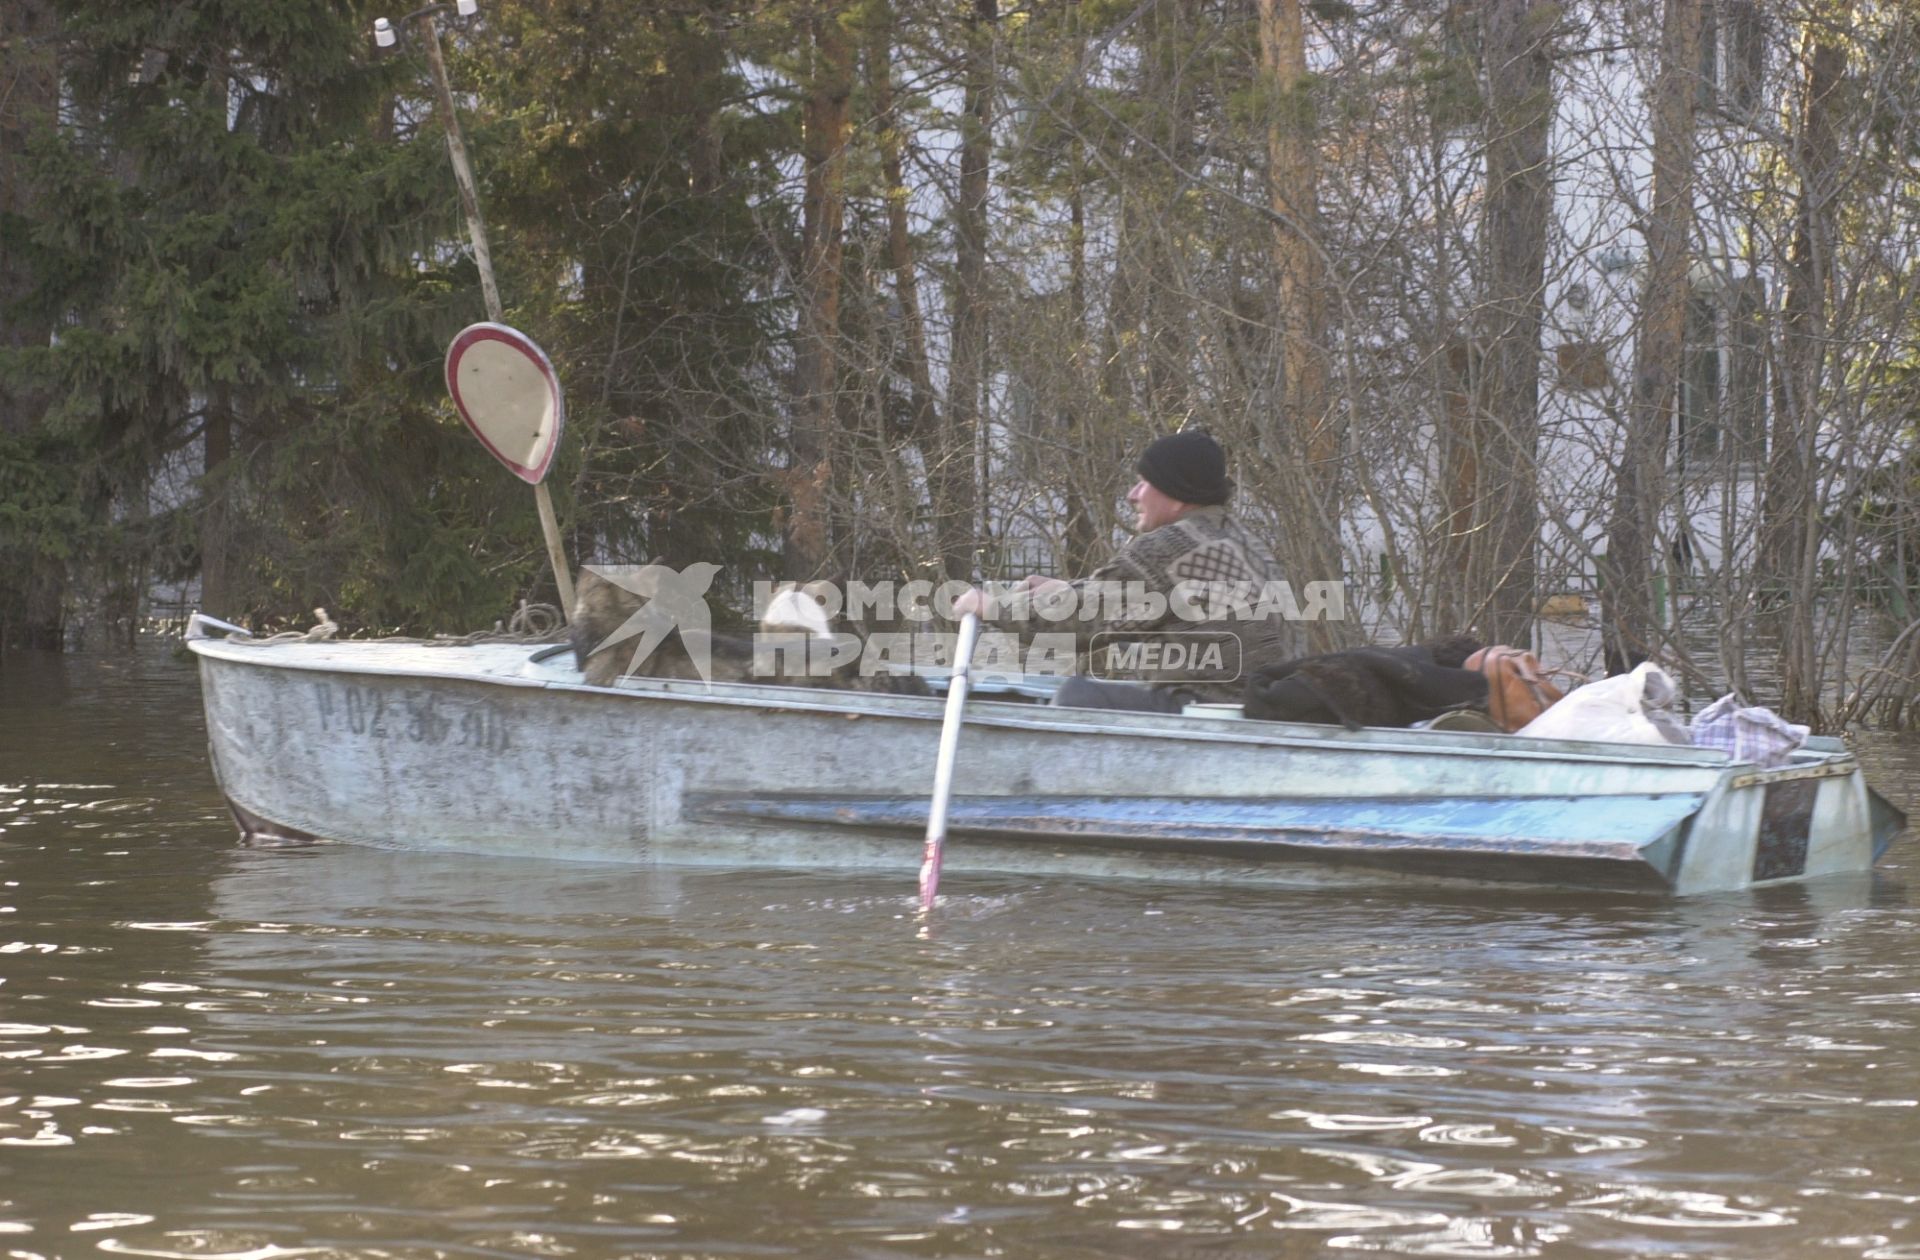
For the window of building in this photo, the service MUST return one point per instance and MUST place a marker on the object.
(1700, 379)
(1723, 382)
(1733, 57)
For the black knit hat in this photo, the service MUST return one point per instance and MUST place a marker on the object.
(1188, 466)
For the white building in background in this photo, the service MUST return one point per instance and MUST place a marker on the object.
(1747, 84)
(1600, 149)
(1602, 171)
(1603, 180)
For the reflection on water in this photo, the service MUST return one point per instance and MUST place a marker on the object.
(207, 1050)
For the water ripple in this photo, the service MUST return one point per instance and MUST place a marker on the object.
(214, 1051)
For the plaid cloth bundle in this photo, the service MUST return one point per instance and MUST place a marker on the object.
(1752, 734)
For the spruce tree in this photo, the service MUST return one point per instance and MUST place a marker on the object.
(252, 294)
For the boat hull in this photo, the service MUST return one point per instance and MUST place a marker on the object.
(478, 749)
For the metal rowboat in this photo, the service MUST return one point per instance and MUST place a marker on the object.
(485, 749)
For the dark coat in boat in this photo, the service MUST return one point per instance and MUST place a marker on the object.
(1369, 686)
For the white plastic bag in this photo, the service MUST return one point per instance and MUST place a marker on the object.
(1626, 708)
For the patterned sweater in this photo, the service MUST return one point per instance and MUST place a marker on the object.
(1209, 552)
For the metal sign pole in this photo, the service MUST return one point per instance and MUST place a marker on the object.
(483, 259)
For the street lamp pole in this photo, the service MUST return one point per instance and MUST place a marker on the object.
(383, 34)
(462, 168)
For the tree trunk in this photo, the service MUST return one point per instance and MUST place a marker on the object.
(216, 531)
(1789, 539)
(1456, 606)
(1627, 602)
(1120, 347)
(957, 501)
(824, 151)
(1084, 534)
(1293, 190)
(900, 256)
(1518, 208)
(1309, 434)
(1168, 88)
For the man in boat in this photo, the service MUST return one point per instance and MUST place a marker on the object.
(1185, 541)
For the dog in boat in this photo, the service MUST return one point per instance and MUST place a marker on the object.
(1370, 686)
(605, 648)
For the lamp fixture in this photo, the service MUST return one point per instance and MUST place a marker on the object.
(385, 34)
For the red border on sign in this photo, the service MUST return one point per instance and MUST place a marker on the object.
(513, 337)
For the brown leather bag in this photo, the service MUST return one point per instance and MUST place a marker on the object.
(1517, 688)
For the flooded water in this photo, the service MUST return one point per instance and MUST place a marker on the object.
(208, 1050)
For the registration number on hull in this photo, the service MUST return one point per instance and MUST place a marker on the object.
(415, 716)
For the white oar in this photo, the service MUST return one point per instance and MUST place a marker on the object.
(943, 764)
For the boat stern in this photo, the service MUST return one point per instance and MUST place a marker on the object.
(1813, 817)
